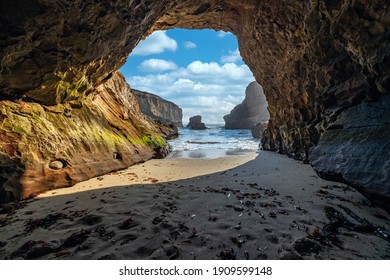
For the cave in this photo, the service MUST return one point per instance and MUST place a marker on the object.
(200, 71)
(324, 65)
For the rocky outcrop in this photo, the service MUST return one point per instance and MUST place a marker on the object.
(366, 166)
(251, 111)
(196, 123)
(316, 61)
(158, 108)
(47, 147)
(258, 130)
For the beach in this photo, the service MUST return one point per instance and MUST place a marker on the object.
(254, 206)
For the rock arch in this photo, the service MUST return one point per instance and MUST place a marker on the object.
(323, 64)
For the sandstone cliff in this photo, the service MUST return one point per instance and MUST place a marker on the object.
(318, 61)
(158, 108)
(47, 147)
(251, 111)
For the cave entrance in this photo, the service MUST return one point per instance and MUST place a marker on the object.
(203, 73)
(199, 70)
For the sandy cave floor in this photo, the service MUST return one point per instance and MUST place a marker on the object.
(258, 206)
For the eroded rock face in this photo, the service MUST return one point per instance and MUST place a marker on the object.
(251, 111)
(356, 149)
(196, 123)
(47, 147)
(158, 108)
(315, 59)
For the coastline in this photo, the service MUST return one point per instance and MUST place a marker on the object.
(256, 206)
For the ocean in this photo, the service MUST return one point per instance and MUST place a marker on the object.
(214, 142)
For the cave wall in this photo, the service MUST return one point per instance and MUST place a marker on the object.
(46, 147)
(56, 51)
(315, 59)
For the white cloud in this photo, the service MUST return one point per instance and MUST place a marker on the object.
(211, 108)
(156, 65)
(233, 56)
(222, 34)
(209, 89)
(219, 75)
(157, 42)
(189, 45)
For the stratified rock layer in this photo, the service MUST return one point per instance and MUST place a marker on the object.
(315, 60)
(158, 108)
(48, 147)
(251, 111)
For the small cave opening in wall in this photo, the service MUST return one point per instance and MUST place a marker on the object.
(208, 90)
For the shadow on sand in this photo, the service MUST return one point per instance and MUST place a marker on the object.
(260, 210)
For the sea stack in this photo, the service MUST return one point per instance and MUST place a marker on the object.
(251, 111)
(196, 123)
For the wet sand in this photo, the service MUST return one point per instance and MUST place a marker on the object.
(257, 206)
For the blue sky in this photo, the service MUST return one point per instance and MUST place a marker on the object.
(199, 70)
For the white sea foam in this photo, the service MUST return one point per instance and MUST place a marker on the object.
(213, 142)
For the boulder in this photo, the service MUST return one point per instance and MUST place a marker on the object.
(196, 123)
(251, 111)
